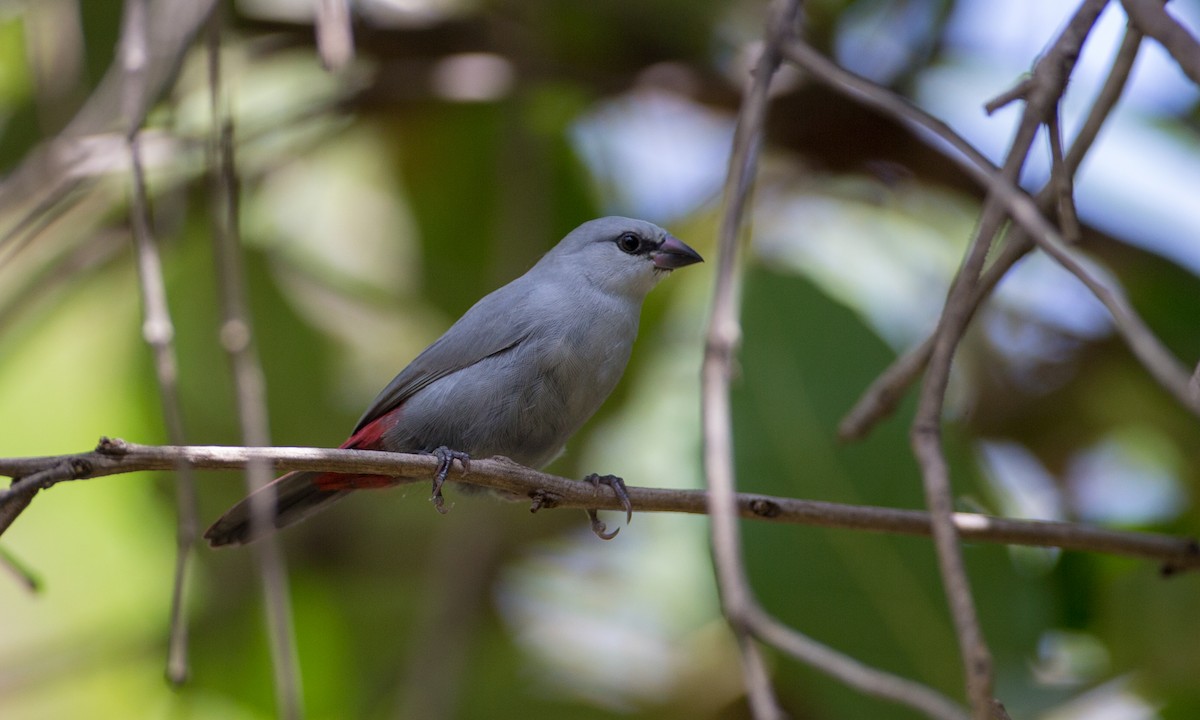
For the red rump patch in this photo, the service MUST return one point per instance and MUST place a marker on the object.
(369, 437)
(371, 434)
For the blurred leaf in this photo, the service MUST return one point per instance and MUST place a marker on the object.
(103, 548)
(877, 598)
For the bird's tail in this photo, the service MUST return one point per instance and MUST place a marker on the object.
(297, 495)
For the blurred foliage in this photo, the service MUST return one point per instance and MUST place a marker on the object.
(376, 206)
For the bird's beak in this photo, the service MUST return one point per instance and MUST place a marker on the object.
(673, 253)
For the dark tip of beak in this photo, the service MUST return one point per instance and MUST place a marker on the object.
(673, 254)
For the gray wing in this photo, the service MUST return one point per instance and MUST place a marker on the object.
(494, 325)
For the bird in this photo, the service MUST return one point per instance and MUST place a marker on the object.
(517, 375)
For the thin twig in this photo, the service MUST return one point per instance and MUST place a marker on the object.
(1110, 93)
(335, 36)
(1164, 367)
(724, 332)
(1152, 18)
(116, 457)
(15, 504)
(1062, 182)
(854, 673)
(37, 219)
(1009, 96)
(237, 339)
(23, 575)
(157, 328)
(1046, 85)
(53, 276)
(883, 395)
(46, 180)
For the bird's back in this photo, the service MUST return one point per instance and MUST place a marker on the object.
(526, 400)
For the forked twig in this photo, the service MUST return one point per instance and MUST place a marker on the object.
(1152, 18)
(884, 393)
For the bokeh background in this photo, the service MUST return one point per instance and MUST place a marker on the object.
(378, 202)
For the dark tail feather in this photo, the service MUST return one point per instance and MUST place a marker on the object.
(297, 495)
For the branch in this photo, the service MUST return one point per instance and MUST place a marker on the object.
(335, 36)
(747, 619)
(50, 175)
(545, 491)
(1149, 350)
(1043, 90)
(853, 673)
(250, 388)
(1062, 182)
(158, 330)
(884, 394)
(721, 339)
(1152, 18)
(1106, 99)
(17, 570)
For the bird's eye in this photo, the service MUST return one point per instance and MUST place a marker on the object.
(629, 243)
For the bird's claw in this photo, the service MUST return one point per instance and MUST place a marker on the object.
(600, 528)
(618, 488)
(446, 458)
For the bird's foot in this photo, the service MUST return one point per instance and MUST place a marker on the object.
(446, 458)
(600, 528)
(618, 488)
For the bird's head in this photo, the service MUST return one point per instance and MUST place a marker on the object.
(621, 255)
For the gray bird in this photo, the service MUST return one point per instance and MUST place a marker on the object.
(517, 375)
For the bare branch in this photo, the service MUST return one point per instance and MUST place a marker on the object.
(885, 392)
(12, 507)
(1152, 18)
(1044, 88)
(1009, 96)
(1046, 85)
(48, 176)
(23, 575)
(853, 673)
(335, 37)
(237, 339)
(1041, 91)
(1106, 99)
(116, 457)
(882, 396)
(1062, 183)
(157, 327)
(724, 332)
